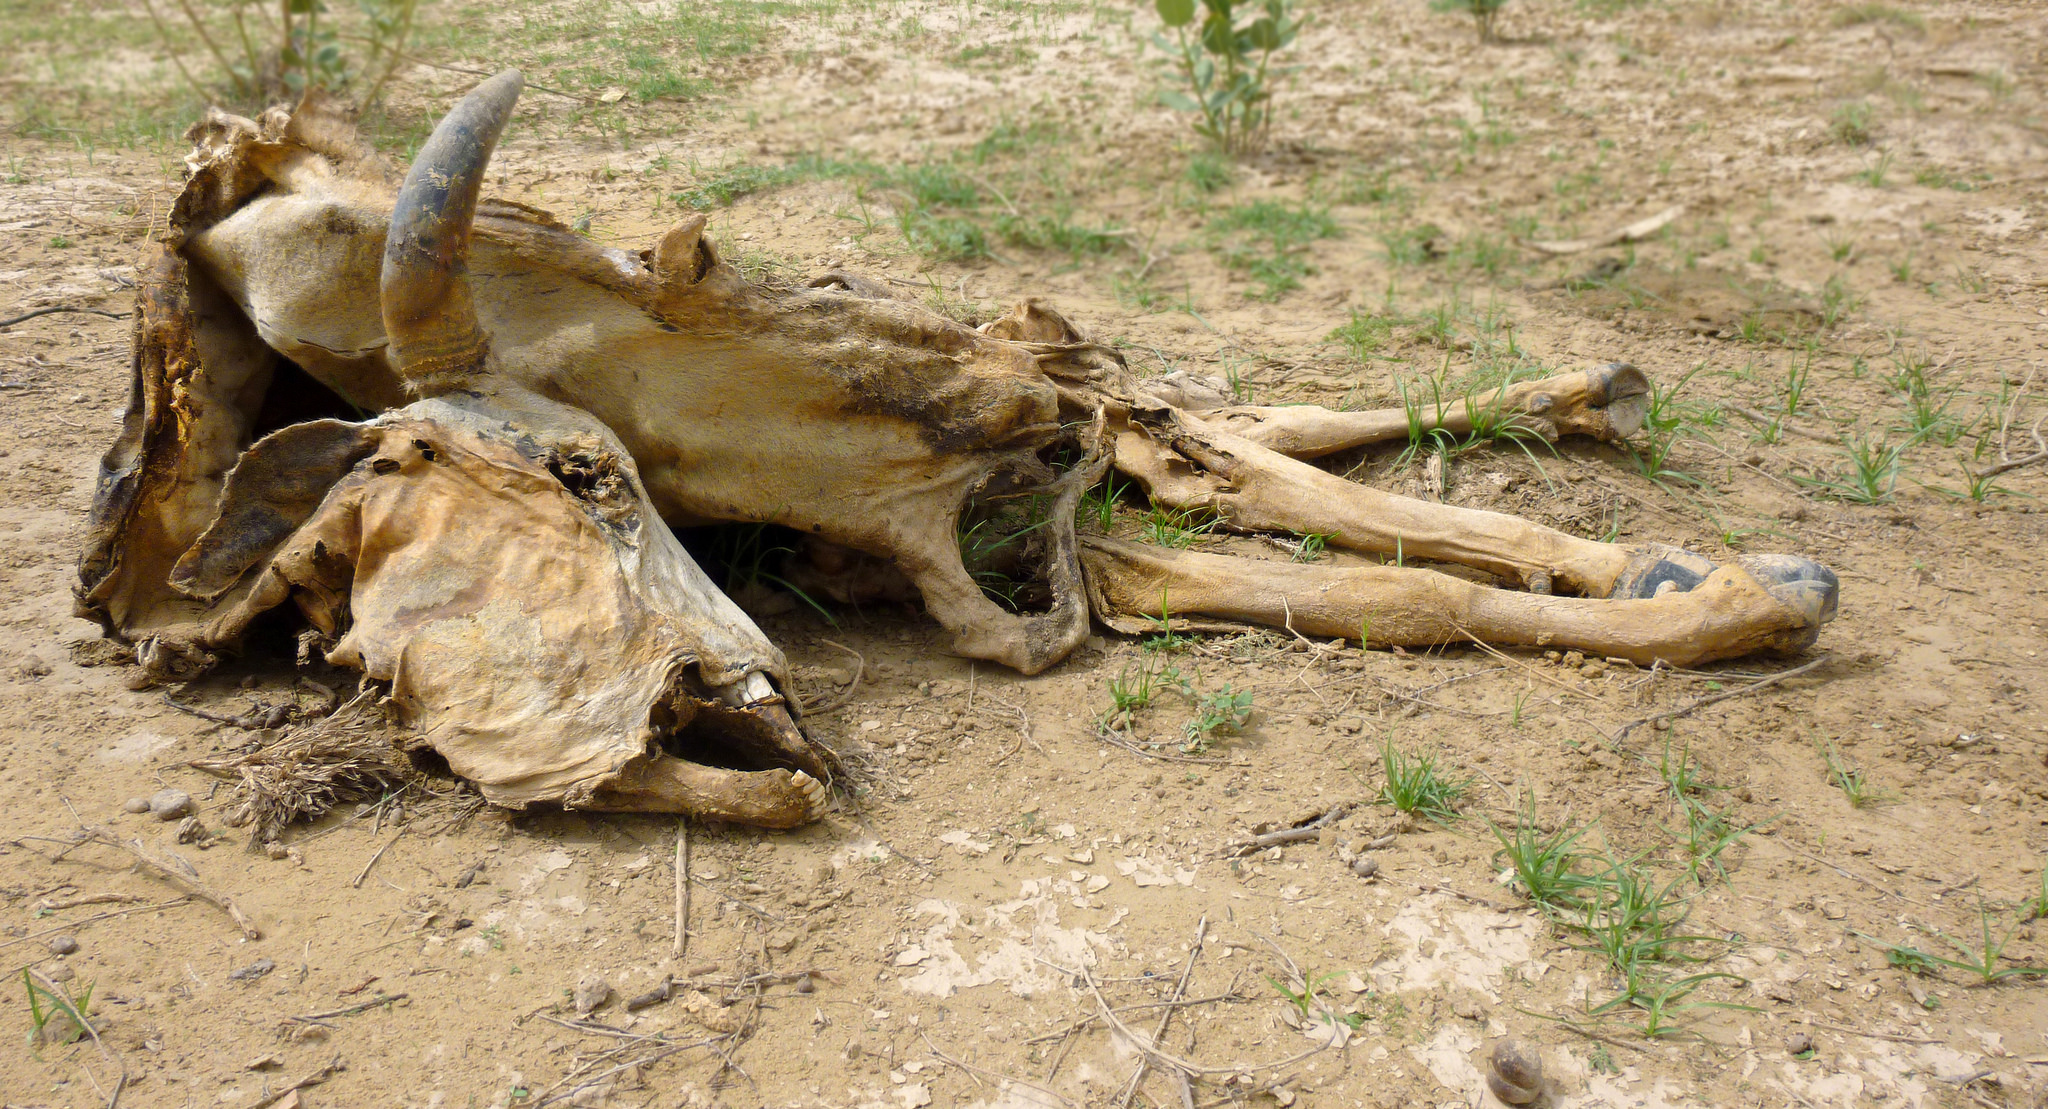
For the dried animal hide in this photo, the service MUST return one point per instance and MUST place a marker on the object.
(493, 544)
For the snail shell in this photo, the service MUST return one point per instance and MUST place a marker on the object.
(1517, 1076)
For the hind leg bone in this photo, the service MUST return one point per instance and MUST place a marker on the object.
(1731, 613)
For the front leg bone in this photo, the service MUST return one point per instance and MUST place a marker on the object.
(1608, 402)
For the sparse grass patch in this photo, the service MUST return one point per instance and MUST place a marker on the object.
(1872, 473)
(1546, 865)
(1855, 785)
(1850, 123)
(1413, 784)
(1854, 15)
(1984, 959)
(1266, 239)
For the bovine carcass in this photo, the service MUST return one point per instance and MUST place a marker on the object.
(490, 534)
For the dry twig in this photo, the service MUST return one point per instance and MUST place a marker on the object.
(1180, 990)
(1716, 698)
(333, 1067)
(181, 876)
(682, 940)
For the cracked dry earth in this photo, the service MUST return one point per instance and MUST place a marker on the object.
(1008, 874)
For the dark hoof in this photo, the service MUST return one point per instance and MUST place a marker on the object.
(1809, 591)
(1659, 569)
(1803, 584)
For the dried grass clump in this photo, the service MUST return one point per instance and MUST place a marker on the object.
(352, 754)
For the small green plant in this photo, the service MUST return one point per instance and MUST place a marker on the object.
(1266, 241)
(55, 1018)
(1414, 785)
(1872, 472)
(1364, 334)
(1224, 712)
(748, 551)
(1225, 64)
(1874, 174)
(1483, 13)
(1667, 423)
(1178, 528)
(1855, 785)
(1133, 690)
(1306, 997)
(1851, 123)
(989, 549)
(1209, 172)
(1099, 504)
(1310, 547)
(1981, 959)
(1977, 487)
(1836, 301)
(1546, 866)
(300, 49)
(2036, 907)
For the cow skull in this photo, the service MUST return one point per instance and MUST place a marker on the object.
(493, 543)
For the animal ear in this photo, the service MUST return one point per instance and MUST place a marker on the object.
(271, 492)
(684, 255)
(1034, 322)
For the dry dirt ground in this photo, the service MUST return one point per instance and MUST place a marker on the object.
(1857, 277)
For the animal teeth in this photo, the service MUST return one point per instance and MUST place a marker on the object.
(814, 790)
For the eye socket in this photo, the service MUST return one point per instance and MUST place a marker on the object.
(384, 466)
(426, 449)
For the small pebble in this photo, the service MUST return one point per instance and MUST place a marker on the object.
(803, 985)
(1799, 1043)
(63, 945)
(170, 804)
(60, 973)
(592, 992)
(1365, 868)
(136, 805)
(277, 850)
(253, 971)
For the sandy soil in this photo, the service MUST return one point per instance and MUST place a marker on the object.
(1009, 873)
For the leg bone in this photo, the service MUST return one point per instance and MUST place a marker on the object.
(1608, 402)
(1733, 612)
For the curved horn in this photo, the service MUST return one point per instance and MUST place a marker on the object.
(428, 315)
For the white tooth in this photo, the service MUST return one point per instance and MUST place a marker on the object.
(812, 788)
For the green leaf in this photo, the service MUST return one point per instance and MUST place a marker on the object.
(1179, 101)
(1205, 73)
(1263, 35)
(1217, 38)
(1175, 13)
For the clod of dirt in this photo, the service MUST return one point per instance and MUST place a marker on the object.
(63, 945)
(135, 805)
(60, 973)
(253, 971)
(1799, 1043)
(170, 804)
(192, 831)
(592, 992)
(1517, 1074)
(276, 850)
